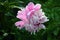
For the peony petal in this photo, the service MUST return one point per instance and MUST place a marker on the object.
(30, 6)
(22, 15)
(31, 13)
(41, 26)
(20, 24)
(43, 19)
(37, 6)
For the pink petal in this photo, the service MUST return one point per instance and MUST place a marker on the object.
(43, 19)
(37, 6)
(26, 10)
(19, 12)
(20, 24)
(30, 6)
(31, 13)
(22, 15)
(41, 26)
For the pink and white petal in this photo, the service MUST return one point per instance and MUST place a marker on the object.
(26, 10)
(22, 15)
(19, 16)
(19, 11)
(43, 19)
(41, 26)
(23, 11)
(20, 24)
(37, 7)
(30, 6)
(30, 13)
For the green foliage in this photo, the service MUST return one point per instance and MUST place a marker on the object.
(8, 12)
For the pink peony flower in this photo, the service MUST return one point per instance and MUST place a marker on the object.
(32, 18)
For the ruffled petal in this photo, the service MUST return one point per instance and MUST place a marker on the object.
(30, 6)
(43, 19)
(20, 24)
(37, 6)
(41, 26)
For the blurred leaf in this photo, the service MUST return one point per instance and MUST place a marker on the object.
(56, 31)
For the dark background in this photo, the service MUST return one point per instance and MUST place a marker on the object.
(8, 12)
